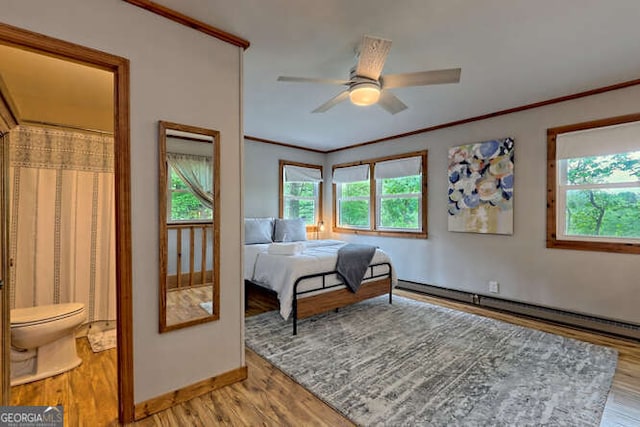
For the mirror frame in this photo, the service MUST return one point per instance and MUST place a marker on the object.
(163, 127)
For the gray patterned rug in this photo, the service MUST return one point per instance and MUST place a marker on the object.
(413, 363)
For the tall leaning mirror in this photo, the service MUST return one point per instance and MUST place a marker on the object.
(189, 225)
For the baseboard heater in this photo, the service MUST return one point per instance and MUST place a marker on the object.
(615, 327)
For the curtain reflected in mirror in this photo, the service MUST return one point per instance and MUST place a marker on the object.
(189, 225)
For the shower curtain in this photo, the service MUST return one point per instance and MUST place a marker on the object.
(62, 226)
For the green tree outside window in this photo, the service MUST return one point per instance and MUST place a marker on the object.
(183, 204)
(603, 196)
(399, 202)
(300, 201)
(354, 204)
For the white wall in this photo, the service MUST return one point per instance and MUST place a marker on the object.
(597, 283)
(183, 76)
(261, 175)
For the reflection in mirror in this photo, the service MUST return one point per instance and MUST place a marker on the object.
(189, 225)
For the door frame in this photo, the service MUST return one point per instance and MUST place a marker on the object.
(5, 345)
(119, 66)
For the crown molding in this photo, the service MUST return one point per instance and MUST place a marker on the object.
(190, 22)
(283, 144)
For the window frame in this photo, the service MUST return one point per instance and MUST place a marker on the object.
(319, 196)
(555, 197)
(374, 201)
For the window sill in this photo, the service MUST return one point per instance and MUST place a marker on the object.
(383, 233)
(581, 245)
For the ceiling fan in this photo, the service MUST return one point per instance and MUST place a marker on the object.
(366, 85)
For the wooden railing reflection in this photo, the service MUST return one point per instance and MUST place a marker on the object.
(191, 277)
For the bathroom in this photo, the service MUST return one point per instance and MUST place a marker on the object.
(61, 226)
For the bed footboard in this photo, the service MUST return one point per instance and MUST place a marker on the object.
(372, 286)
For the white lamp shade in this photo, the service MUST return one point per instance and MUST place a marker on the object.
(364, 94)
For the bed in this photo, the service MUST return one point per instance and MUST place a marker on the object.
(308, 283)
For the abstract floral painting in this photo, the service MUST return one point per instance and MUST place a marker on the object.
(481, 187)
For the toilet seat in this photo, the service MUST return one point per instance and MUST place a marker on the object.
(31, 316)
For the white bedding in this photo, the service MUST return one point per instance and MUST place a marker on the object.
(250, 254)
(279, 272)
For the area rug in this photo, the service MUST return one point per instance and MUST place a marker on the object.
(413, 363)
(103, 340)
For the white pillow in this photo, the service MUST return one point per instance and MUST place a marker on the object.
(290, 230)
(258, 230)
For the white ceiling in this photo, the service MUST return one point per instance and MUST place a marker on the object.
(512, 52)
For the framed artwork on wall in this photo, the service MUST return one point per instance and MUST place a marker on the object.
(480, 193)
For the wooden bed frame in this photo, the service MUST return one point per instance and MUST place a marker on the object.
(303, 307)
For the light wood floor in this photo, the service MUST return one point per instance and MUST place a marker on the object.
(88, 393)
(184, 304)
(268, 397)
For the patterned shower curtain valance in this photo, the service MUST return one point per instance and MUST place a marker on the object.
(44, 148)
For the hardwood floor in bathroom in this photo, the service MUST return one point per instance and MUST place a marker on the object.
(88, 393)
(269, 397)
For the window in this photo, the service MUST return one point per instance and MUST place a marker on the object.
(353, 204)
(190, 181)
(353, 195)
(399, 195)
(384, 196)
(594, 186)
(301, 192)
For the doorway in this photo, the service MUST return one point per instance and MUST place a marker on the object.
(119, 67)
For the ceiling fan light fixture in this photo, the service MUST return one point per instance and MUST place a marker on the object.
(364, 93)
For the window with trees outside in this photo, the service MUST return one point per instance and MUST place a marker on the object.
(301, 192)
(183, 204)
(594, 185)
(385, 196)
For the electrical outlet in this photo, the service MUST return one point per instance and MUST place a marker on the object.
(494, 287)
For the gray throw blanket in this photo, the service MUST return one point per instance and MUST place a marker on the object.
(353, 260)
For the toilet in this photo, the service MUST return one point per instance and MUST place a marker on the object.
(43, 341)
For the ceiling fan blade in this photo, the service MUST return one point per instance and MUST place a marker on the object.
(312, 80)
(342, 96)
(391, 103)
(373, 54)
(421, 78)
